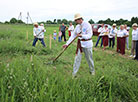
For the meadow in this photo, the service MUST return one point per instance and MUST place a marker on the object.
(25, 75)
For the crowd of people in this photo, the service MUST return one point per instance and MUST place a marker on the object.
(108, 35)
(83, 31)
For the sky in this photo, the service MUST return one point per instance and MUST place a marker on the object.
(42, 10)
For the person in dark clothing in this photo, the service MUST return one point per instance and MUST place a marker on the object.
(136, 58)
(63, 29)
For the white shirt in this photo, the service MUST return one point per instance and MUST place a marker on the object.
(71, 29)
(135, 35)
(100, 30)
(127, 30)
(122, 33)
(104, 31)
(38, 32)
(112, 33)
(86, 30)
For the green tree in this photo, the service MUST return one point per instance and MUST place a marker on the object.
(59, 21)
(91, 21)
(55, 21)
(6, 22)
(20, 21)
(13, 20)
(134, 20)
(65, 21)
(48, 22)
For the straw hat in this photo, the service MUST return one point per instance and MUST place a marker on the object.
(114, 24)
(134, 25)
(54, 30)
(77, 16)
(35, 23)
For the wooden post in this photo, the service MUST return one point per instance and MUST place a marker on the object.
(27, 35)
(50, 39)
(31, 59)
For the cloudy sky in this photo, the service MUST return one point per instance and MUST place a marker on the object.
(42, 10)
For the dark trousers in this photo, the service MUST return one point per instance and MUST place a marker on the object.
(121, 45)
(41, 39)
(99, 37)
(63, 35)
(136, 50)
(112, 42)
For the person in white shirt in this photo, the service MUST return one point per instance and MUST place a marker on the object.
(42, 25)
(104, 35)
(127, 38)
(38, 32)
(134, 38)
(100, 30)
(84, 32)
(121, 38)
(70, 29)
(112, 35)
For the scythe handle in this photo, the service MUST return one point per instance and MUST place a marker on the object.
(65, 49)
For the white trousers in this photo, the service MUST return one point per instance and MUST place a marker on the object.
(127, 42)
(89, 58)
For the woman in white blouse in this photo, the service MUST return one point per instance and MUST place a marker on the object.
(121, 40)
(134, 37)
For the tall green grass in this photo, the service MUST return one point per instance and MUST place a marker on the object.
(25, 76)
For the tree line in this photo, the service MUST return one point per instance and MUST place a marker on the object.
(65, 21)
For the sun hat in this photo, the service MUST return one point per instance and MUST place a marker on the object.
(77, 16)
(134, 25)
(35, 23)
(114, 24)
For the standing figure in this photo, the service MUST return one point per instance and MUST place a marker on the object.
(121, 40)
(100, 30)
(38, 32)
(84, 33)
(127, 38)
(63, 29)
(134, 39)
(112, 35)
(105, 36)
(54, 35)
(59, 36)
(70, 29)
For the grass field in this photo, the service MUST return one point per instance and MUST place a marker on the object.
(25, 76)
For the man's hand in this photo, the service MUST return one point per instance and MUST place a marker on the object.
(64, 46)
(79, 35)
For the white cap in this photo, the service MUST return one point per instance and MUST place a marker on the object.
(77, 16)
(134, 25)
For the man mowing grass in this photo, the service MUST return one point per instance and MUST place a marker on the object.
(84, 32)
(38, 32)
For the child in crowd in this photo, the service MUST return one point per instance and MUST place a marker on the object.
(59, 36)
(54, 35)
